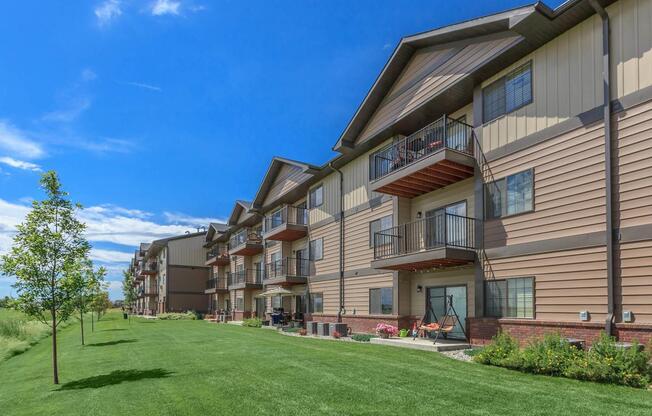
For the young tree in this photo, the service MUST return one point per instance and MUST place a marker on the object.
(47, 247)
(88, 282)
(128, 289)
(100, 303)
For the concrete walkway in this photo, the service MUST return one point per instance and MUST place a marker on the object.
(423, 344)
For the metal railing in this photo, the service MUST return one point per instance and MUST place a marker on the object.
(219, 250)
(247, 235)
(288, 267)
(217, 283)
(440, 230)
(251, 276)
(287, 215)
(444, 133)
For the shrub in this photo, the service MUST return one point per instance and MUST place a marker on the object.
(387, 330)
(336, 335)
(291, 330)
(605, 362)
(253, 322)
(502, 346)
(177, 316)
(303, 332)
(362, 337)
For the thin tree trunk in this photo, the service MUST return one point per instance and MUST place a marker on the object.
(92, 322)
(81, 317)
(55, 367)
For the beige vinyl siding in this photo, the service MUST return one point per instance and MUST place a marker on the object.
(289, 176)
(567, 72)
(460, 191)
(331, 235)
(416, 87)
(566, 282)
(466, 112)
(331, 202)
(569, 194)
(356, 289)
(439, 278)
(188, 251)
(633, 170)
(635, 288)
(358, 254)
(299, 244)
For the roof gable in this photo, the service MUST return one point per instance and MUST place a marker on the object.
(282, 178)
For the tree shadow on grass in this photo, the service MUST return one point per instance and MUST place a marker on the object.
(116, 342)
(115, 377)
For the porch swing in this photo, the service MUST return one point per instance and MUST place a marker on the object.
(445, 325)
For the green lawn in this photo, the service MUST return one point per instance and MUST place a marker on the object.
(197, 368)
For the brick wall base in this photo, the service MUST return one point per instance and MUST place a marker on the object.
(482, 329)
(365, 324)
(240, 315)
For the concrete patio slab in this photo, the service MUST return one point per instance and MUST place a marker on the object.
(423, 344)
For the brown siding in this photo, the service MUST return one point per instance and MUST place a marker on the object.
(358, 254)
(568, 189)
(288, 178)
(356, 292)
(566, 282)
(635, 288)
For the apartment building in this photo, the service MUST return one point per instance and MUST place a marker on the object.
(171, 274)
(500, 166)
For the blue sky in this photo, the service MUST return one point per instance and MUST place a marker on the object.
(158, 114)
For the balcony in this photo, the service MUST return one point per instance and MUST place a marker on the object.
(289, 223)
(288, 271)
(440, 241)
(246, 279)
(151, 292)
(149, 269)
(217, 284)
(247, 242)
(436, 156)
(218, 255)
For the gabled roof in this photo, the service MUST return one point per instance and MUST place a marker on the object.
(215, 227)
(157, 245)
(535, 24)
(272, 171)
(239, 207)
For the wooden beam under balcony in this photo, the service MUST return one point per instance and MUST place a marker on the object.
(436, 258)
(286, 232)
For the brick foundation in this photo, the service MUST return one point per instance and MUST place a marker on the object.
(240, 315)
(482, 329)
(365, 324)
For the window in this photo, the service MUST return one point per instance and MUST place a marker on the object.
(316, 196)
(277, 302)
(316, 303)
(511, 195)
(375, 226)
(510, 298)
(316, 249)
(507, 94)
(380, 301)
(239, 304)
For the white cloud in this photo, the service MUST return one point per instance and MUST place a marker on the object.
(74, 109)
(161, 7)
(88, 74)
(144, 86)
(17, 143)
(189, 221)
(108, 11)
(20, 164)
(110, 256)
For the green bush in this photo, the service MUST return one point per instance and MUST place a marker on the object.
(292, 330)
(500, 351)
(177, 316)
(605, 362)
(253, 322)
(362, 337)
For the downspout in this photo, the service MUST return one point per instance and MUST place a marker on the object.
(341, 307)
(606, 91)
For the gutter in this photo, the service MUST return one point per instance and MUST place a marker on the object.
(341, 307)
(606, 91)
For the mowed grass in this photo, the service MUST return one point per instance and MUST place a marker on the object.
(147, 367)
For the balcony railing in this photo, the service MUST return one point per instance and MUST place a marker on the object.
(287, 215)
(217, 251)
(288, 267)
(441, 230)
(217, 283)
(248, 235)
(444, 133)
(247, 276)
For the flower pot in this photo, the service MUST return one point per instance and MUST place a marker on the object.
(383, 335)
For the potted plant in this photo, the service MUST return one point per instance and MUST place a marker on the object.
(385, 331)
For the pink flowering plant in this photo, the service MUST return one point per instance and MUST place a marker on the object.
(386, 330)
